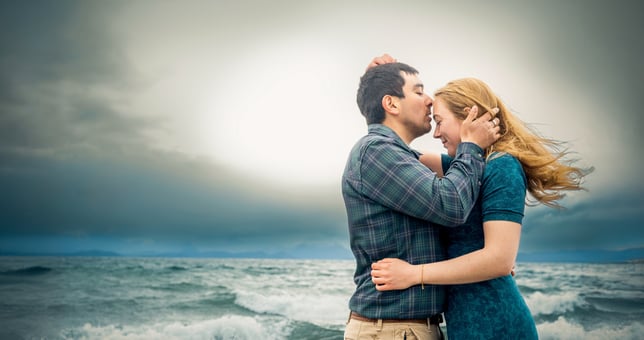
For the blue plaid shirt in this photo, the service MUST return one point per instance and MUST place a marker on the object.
(391, 198)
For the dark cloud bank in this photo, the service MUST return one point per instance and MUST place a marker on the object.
(73, 165)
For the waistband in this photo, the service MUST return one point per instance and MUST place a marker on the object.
(432, 320)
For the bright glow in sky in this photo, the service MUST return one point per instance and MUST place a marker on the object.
(273, 94)
(178, 120)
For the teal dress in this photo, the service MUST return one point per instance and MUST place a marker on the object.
(492, 309)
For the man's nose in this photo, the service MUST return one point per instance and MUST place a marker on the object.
(428, 101)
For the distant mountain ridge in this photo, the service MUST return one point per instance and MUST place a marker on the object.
(585, 256)
(97, 253)
(339, 253)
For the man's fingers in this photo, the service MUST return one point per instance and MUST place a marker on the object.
(471, 116)
(491, 115)
(487, 116)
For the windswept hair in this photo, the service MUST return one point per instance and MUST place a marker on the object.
(544, 161)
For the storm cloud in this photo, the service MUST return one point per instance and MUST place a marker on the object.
(226, 126)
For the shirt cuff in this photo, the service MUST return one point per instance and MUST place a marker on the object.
(470, 149)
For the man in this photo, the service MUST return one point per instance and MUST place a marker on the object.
(391, 198)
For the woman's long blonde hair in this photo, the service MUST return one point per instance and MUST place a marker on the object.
(543, 160)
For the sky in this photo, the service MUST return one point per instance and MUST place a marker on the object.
(201, 126)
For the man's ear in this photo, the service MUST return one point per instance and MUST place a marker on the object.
(391, 104)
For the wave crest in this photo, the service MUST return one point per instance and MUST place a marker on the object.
(562, 329)
(29, 271)
(227, 327)
(540, 303)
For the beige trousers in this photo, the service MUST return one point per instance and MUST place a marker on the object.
(358, 330)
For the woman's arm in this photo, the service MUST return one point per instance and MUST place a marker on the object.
(496, 259)
(433, 161)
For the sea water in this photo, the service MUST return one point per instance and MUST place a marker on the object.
(173, 298)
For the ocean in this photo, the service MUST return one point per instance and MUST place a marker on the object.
(181, 298)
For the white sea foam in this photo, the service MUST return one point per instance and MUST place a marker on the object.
(273, 299)
(562, 329)
(227, 327)
(327, 311)
(546, 304)
(314, 292)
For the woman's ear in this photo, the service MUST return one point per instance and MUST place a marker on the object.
(391, 104)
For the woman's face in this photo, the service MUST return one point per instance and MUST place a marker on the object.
(448, 127)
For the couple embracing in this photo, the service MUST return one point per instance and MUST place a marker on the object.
(439, 234)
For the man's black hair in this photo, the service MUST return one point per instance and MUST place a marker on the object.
(378, 82)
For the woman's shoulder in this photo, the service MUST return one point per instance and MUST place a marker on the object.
(504, 165)
(499, 159)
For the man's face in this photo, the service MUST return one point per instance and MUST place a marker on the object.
(415, 113)
(448, 127)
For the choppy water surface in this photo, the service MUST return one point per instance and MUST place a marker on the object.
(141, 298)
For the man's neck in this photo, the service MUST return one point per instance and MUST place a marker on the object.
(400, 131)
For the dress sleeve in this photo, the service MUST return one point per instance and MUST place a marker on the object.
(504, 190)
(446, 161)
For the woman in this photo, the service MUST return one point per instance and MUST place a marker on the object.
(484, 301)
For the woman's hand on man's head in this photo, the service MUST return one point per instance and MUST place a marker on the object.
(383, 59)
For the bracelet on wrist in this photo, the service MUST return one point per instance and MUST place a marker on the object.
(422, 282)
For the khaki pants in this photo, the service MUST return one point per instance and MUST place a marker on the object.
(357, 330)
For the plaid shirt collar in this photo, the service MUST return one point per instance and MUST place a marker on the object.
(383, 130)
